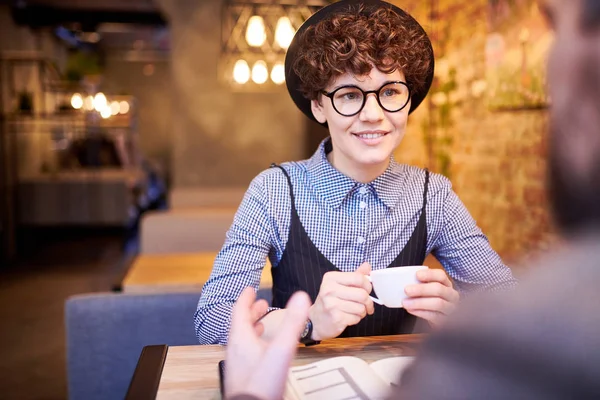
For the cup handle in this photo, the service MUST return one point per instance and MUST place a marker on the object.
(375, 300)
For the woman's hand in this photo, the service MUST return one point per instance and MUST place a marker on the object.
(434, 298)
(343, 300)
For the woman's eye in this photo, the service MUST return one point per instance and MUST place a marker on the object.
(351, 95)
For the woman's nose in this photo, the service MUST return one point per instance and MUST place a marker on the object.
(372, 111)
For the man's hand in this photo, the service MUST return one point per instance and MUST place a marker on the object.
(343, 300)
(256, 366)
(434, 298)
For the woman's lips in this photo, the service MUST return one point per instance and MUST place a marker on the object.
(370, 138)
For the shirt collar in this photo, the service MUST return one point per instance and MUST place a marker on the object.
(334, 187)
(390, 186)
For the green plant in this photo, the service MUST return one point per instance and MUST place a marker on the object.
(437, 131)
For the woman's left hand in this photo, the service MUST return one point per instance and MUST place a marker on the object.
(434, 298)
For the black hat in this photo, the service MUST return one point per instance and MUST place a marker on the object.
(293, 81)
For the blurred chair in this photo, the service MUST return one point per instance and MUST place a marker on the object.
(185, 230)
(106, 332)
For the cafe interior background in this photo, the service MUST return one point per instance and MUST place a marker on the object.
(127, 124)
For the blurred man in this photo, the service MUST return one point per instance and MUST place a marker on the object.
(543, 340)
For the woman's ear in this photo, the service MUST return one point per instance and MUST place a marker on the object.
(317, 110)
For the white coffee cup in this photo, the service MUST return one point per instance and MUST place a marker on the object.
(389, 284)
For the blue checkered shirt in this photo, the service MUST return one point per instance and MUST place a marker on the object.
(350, 223)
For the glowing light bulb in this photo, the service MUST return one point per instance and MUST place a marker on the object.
(260, 74)
(255, 32)
(241, 72)
(284, 32)
(114, 107)
(105, 112)
(123, 107)
(99, 101)
(76, 101)
(278, 74)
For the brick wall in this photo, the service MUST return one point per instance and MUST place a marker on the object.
(496, 160)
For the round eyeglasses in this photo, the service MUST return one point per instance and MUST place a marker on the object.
(350, 100)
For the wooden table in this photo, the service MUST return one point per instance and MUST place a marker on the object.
(156, 273)
(191, 372)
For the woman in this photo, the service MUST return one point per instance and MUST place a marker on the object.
(358, 67)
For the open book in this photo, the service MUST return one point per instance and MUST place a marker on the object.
(339, 378)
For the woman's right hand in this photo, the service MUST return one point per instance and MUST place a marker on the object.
(343, 300)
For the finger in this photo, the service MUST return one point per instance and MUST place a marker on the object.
(434, 275)
(345, 320)
(242, 310)
(365, 268)
(432, 289)
(259, 309)
(352, 279)
(259, 328)
(357, 295)
(352, 308)
(241, 332)
(434, 304)
(294, 321)
(279, 353)
(350, 293)
(339, 314)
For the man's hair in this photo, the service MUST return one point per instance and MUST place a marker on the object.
(590, 14)
(356, 40)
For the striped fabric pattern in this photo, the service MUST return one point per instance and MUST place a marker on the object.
(303, 266)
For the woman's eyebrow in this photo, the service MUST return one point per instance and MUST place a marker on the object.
(341, 85)
(357, 86)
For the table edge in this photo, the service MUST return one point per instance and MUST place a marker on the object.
(147, 374)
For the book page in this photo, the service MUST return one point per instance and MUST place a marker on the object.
(336, 378)
(390, 369)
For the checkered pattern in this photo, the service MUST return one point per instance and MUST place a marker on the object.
(350, 223)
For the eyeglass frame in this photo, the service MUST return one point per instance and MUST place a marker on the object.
(365, 94)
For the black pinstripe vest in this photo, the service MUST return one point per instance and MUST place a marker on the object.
(302, 267)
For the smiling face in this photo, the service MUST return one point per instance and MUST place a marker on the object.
(363, 143)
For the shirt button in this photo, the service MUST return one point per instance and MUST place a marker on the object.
(363, 205)
(362, 190)
(360, 240)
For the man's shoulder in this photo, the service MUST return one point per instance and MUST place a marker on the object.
(558, 295)
(534, 341)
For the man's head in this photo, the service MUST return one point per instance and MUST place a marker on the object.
(574, 84)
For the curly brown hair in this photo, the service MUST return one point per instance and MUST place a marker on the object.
(355, 40)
